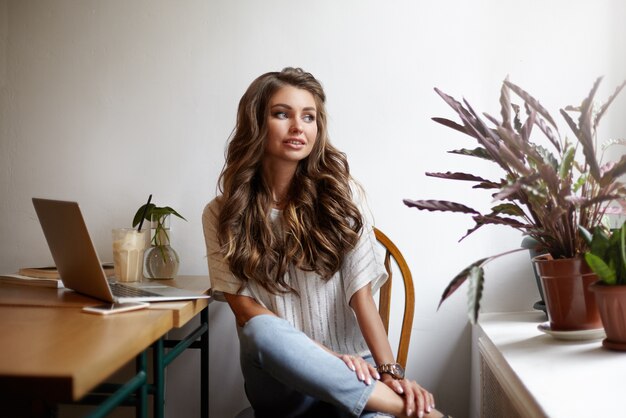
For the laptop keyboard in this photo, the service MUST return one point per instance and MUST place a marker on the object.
(121, 290)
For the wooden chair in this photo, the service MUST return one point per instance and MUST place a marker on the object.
(392, 256)
(392, 253)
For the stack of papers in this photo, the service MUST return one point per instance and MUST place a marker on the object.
(43, 276)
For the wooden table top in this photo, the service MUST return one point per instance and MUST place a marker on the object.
(61, 354)
(50, 349)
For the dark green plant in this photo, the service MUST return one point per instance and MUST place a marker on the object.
(607, 254)
(546, 189)
(151, 212)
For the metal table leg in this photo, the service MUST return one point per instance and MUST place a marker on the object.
(158, 361)
(204, 365)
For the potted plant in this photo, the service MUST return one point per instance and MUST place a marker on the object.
(607, 258)
(549, 185)
(161, 260)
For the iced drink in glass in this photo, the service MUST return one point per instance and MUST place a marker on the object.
(128, 249)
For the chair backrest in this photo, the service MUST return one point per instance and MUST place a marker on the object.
(384, 303)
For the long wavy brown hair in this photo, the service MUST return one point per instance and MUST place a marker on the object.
(320, 222)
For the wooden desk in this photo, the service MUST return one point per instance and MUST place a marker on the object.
(60, 354)
(182, 312)
(52, 351)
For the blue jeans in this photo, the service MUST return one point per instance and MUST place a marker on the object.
(288, 375)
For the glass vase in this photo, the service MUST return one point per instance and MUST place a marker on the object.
(161, 260)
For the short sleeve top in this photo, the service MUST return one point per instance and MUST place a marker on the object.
(321, 310)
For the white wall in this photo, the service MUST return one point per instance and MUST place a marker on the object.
(106, 102)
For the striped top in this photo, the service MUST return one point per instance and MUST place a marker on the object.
(322, 310)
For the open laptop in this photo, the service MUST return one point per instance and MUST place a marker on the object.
(79, 266)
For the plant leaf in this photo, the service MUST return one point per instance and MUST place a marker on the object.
(570, 122)
(528, 126)
(585, 234)
(487, 185)
(567, 162)
(508, 209)
(546, 157)
(494, 220)
(474, 126)
(550, 178)
(154, 210)
(505, 105)
(475, 292)
(604, 272)
(477, 123)
(457, 176)
(547, 131)
(491, 119)
(585, 132)
(500, 220)
(140, 211)
(439, 205)
(470, 270)
(584, 202)
(617, 170)
(531, 101)
(611, 142)
(600, 243)
(451, 124)
(454, 104)
(164, 211)
(512, 160)
(479, 152)
(173, 212)
(458, 280)
(517, 124)
(507, 192)
(606, 105)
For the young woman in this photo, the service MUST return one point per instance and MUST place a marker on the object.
(295, 260)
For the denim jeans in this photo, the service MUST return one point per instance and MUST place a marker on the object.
(288, 375)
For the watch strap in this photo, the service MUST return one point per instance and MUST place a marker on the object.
(392, 369)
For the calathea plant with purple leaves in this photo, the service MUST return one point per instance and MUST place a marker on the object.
(550, 184)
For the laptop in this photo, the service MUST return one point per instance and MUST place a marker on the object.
(79, 266)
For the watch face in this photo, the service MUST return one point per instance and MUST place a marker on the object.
(398, 371)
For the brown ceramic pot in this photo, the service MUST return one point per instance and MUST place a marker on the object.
(570, 304)
(612, 305)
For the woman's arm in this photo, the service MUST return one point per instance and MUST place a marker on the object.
(372, 328)
(245, 308)
(416, 398)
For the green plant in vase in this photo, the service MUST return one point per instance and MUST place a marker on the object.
(549, 185)
(607, 258)
(607, 254)
(161, 260)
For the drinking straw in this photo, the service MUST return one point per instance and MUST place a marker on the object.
(143, 215)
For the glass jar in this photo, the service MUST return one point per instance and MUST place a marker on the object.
(161, 260)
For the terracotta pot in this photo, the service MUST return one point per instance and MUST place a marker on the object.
(571, 305)
(612, 305)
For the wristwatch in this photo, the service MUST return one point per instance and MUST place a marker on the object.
(392, 369)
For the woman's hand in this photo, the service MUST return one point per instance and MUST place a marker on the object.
(418, 401)
(365, 372)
